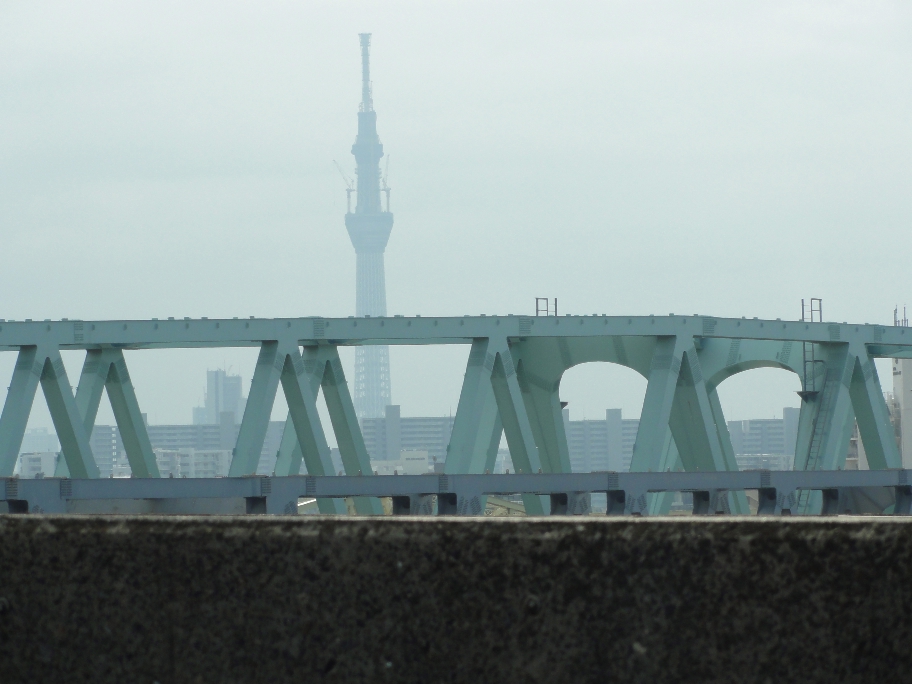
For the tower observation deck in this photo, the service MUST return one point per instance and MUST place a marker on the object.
(369, 228)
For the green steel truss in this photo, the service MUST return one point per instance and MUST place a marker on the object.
(511, 386)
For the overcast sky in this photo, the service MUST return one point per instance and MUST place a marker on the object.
(176, 159)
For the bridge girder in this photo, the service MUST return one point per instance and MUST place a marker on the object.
(511, 387)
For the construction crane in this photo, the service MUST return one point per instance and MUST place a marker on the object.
(383, 186)
(350, 187)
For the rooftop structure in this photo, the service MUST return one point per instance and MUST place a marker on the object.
(224, 394)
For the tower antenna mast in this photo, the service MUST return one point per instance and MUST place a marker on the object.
(367, 101)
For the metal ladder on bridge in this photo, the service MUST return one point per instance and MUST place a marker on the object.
(812, 312)
(819, 430)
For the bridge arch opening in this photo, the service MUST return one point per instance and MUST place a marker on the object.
(603, 405)
(761, 407)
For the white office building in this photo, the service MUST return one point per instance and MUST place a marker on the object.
(193, 462)
(36, 464)
(412, 462)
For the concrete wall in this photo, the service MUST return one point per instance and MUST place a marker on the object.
(280, 600)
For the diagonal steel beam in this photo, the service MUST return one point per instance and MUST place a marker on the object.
(516, 424)
(106, 369)
(43, 364)
(258, 410)
(323, 369)
(691, 419)
(74, 441)
(660, 391)
(18, 405)
(302, 411)
(345, 424)
(737, 500)
(872, 413)
(129, 418)
(477, 428)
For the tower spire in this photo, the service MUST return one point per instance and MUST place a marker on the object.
(369, 228)
(367, 102)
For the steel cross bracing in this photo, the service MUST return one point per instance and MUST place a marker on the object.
(515, 364)
(779, 492)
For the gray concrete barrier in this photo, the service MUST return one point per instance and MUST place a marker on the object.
(257, 599)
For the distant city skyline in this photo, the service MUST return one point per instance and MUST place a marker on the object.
(594, 444)
(160, 160)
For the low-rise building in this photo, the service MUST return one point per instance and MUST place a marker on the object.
(36, 464)
(193, 462)
(385, 438)
(108, 448)
(412, 462)
(607, 444)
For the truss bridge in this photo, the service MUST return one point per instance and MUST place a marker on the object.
(515, 364)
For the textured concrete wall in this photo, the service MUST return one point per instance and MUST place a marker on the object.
(260, 599)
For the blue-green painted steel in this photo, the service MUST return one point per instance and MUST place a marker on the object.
(106, 369)
(511, 386)
(324, 370)
(42, 363)
(847, 491)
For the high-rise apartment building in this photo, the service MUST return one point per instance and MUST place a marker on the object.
(766, 435)
(106, 445)
(224, 394)
(596, 445)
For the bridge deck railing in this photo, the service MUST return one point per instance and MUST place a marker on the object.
(569, 493)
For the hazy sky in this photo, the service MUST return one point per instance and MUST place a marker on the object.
(176, 159)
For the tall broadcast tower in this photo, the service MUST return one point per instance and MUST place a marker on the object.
(369, 228)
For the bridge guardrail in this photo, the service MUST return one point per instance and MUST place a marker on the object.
(778, 491)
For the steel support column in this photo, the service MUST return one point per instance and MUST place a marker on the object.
(660, 393)
(18, 405)
(542, 400)
(872, 414)
(355, 458)
(255, 423)
(106, 369)
(44, 365)
(321, 367)
(477, 429)
(517, 428)
(737, 501)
